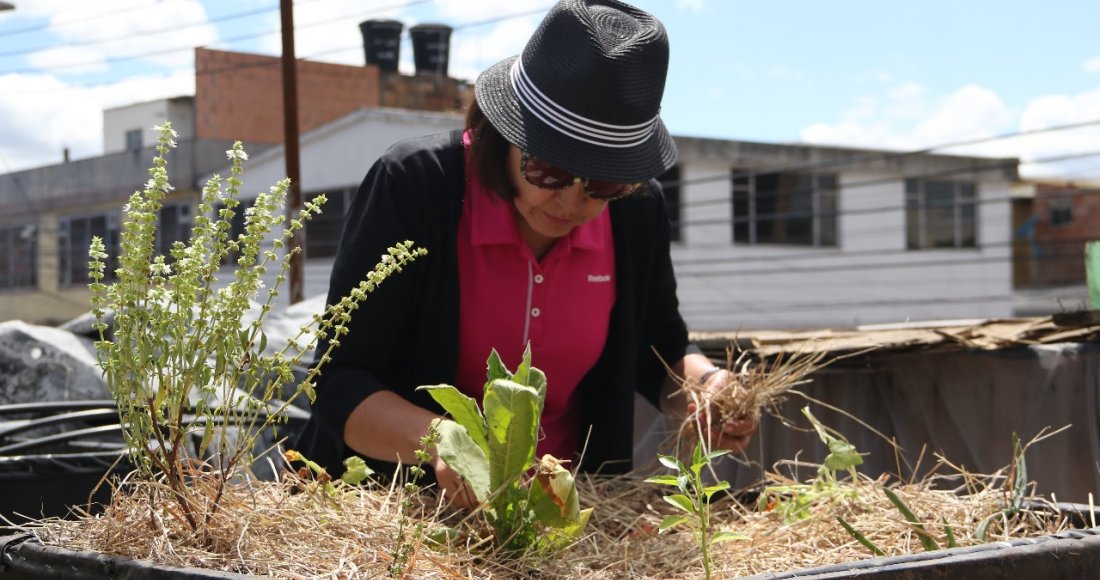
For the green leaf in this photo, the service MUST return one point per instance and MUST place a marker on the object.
(697, 455)
(263, 342)
(463, 410)
(719, 537)
(663, 480)
(554, 496)
(713, 489)
(681, 501)
(1019, 482)
(522, 373)
(459, 451)
(715, 455)
(207, 435)
(511, 413)
(496, 370)
(842, 455)
(671, 462)
(861, 538)
(982, 530)
(356, 471)
(537, 380)
(949, 533)
(444, 536)
(671, 521)
(926, 539)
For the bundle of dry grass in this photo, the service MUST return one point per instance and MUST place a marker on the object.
(754, 385)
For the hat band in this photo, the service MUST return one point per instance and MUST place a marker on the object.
(573, 125)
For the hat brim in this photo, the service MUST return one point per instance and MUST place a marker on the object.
(498, 101)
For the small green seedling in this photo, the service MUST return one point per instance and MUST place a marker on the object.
(694, 499)
(355, 471)
(794, 502)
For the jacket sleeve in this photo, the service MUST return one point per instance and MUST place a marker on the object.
(662, 331)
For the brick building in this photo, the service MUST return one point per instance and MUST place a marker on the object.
(240, 96)
(1058, 219)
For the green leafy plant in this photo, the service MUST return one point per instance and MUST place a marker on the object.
(694, 499)
(494, 451)
(355, 472)
(185, 362)
(794, 502)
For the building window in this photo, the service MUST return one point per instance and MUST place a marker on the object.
(74, 238)
(1061, 211)
(940, 214)
(324, 230)
(790, 208)
(236, 224)
(18, 257)
(173, 226)
(670, 184)
(133, 140)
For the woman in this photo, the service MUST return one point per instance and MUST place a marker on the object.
(544, 226)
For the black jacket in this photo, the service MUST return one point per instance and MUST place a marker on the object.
(406, 333)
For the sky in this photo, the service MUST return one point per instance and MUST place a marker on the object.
(861, 73)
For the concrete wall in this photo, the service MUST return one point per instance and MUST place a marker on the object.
(144, 116)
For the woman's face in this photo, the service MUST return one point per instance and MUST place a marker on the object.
(548, 214)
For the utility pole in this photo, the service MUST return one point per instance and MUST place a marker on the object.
(290, 140)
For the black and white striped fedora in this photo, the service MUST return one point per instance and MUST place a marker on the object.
(585, 93)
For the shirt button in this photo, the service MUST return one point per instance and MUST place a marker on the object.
(538, 278)
(535, 312)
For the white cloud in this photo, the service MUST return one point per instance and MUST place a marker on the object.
(694, 6)
(906, 117)
(1057, 110)
(42, 114)
(84, 35)
(972, 112)
(1092, 65)
(466, 11)
(473, 52)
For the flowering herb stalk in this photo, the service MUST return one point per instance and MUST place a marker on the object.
(181, 357)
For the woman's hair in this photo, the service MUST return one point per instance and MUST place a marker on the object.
(488, 154)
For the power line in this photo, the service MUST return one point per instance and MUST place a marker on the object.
(239, 38)
(131, 35)
(51, 25)
(242, 66)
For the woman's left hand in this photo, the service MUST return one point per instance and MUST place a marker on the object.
(733, 434)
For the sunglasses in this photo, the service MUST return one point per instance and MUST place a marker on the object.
(541, 174)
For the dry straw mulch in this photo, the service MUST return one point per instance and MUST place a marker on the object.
(278, 530)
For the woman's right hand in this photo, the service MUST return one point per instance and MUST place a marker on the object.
(453, 486)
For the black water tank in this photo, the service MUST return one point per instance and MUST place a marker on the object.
(382, 42)
(431, 48)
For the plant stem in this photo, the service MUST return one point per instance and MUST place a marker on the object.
(704, 524)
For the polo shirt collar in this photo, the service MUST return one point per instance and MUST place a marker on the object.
(494, 223)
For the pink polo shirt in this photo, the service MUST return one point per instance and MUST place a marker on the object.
(507, 298)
